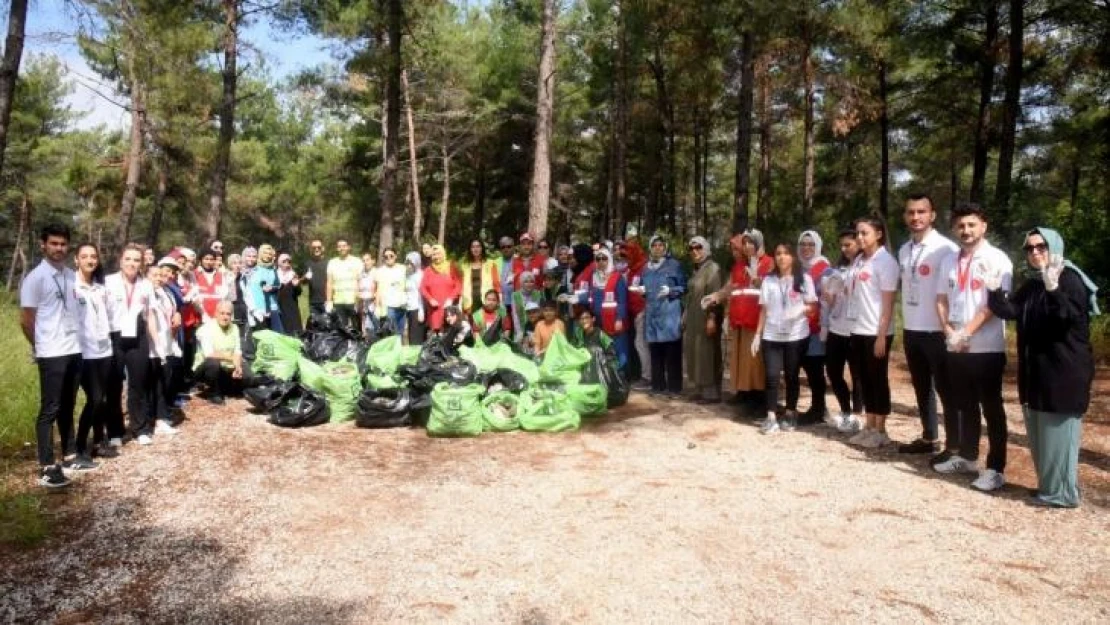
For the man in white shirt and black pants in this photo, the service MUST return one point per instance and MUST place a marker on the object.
(922, 335)
(49, 320)
(976, 342)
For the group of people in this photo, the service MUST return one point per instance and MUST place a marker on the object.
(160, 327)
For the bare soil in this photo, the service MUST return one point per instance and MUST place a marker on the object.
(660, 512)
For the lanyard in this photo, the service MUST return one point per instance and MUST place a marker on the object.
(784, 296)
(963, 271)
(129, 293)
(915, 260)
(61, 290)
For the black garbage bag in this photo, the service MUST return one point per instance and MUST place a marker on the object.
(262, 379)
(604, 370)
(434, 352)
(301, 408)
(264, 398)
(423, 377)
(321, 323)
(505, 379)
(385, 408)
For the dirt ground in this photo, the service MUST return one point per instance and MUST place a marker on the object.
(662, 512)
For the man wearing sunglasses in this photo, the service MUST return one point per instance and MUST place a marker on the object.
(505, 268)
(317, 276)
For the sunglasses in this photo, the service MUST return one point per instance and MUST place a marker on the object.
(694, 248)
(1039, 247)
(543, 246)
(506, 247)
(601, 259)
(807, 244)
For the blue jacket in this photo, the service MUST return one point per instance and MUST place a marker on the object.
(663, 316)
(266, 302)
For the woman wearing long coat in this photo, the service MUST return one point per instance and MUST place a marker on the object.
(701, 338)
(1055, 362)
(663, 286)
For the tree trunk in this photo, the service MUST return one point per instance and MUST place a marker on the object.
(809, 77)
(884, 130)
(697, 204)
(621, 144)
(393, 126)
(18, 258)
(539, 196)
(1011, 110)
(987, 62)
(414, 174)
(763, 207)
(9, 70)
(480, 199)
(708, 132)
(446, 195)
(217, 193)
(159, 208)
(741, 199)
(134, 166)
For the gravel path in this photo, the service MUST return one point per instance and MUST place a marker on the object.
(662, 512)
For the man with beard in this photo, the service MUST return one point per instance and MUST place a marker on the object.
(317, 276)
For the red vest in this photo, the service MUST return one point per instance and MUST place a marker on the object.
(743, 302)
(814, 312)
(209, 294)
(535, 266)
(609, 305)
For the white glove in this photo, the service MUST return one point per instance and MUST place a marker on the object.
(956, 341)
(1051, 272)
(637, 289)
(328, 307)
(755, 346)
(308, 275)
(708, 301)
(420, 316)
(564, 298)
(833, 285)
(259, 316)
(824, 334)
(992, 279)
(664, 291)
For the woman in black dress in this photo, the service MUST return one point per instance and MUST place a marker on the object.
(288, 295)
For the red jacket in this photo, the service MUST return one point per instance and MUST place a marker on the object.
(634, 276)
(743, 301)
(440, 287)
(535, 265)
(814, 314)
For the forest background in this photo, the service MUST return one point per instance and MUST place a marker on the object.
(572, 118)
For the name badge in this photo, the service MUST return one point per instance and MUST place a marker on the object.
(913, 293)
(956, 311)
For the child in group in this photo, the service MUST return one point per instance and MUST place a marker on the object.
(490, 322)
(547, 327)
(523, 299)
(456, 329)
(586, 333)
(525, 329)
(366, 292)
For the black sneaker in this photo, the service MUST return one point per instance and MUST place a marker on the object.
(920, 446)
(812, 417)
(216, 400)
(81, 463)
(942, 457)
(52, 477)
(104, 450)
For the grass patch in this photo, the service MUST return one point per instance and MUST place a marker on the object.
(23, 520)
(19, 385)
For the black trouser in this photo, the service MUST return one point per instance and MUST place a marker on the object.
(836, 356)
(317, 308)
(94, 381)
(417, 330)
(183, 379)
(113, 394)
(783, 358)
(666, 366)
(925, 356)
(217, 378)
(873, 373)
(58, 379)
(814, 366)
(160, 397)
(976, 385)
(135, 359)
(346, 315)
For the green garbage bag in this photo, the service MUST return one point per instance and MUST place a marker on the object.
(456, 410)
(499, 411)
(382, 382)
(410, 355)
(341, 386)
(384, 356)
(521, 365)
(481, 356)
(276, 354)
(547, 411)
(562, 360)
(310, 374)
(588, 400)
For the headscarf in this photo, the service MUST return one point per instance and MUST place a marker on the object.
(635, 255)
(285, 276)
(655, 264)
(527, 278)
(413, 258)
(700, 240)
(266, 250)
(757, 238)
(443, 266)
(601, 276)
(1055, 244)
(583, 260)
(817, 244)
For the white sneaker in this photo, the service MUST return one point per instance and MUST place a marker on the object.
(860, 437)
(834, 420)
(877, 440)
(115, 442)
(770, 426)
(145, 439)
(850, 424)
(955, 464)
(989, 480)
(161, 427)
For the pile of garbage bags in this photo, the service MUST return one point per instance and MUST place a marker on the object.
(333, 375)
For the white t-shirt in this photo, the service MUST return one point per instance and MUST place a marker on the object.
(128, 304)
(94, 331)
(390, 283)
(162, 309)
(868, 279)
(52, 293)
(785, 308)
(963, 284)
(921, 280)
(836, 282)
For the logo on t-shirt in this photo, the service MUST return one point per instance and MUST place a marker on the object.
(976, 284)
(924, 270)
(864, 276)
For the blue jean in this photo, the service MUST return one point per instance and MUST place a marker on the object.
(397, 317)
